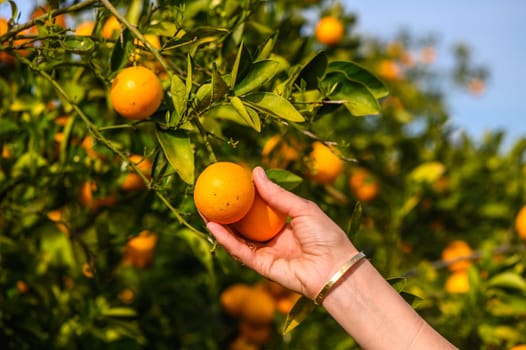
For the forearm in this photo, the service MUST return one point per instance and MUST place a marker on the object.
(376, 316)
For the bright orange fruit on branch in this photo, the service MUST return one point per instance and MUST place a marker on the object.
(520, 223)
(136, 93)
(324, 165)
(457, 254)
(330, 30)
(261, 223)
(224, 192)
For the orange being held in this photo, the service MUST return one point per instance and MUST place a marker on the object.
(133, 181)
(363, 185)
(520, 223)
(324, 165)
(224, 192)
(457, 255)
(329, 30)
(136, 93)
(261, 223)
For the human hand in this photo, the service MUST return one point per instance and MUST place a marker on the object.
(304, 255)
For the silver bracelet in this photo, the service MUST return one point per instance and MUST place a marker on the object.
(337, 276)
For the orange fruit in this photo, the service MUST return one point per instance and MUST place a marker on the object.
(363, 185)
(259, 307)
(389, 70)
(324, 165)
(140, 250)
(476, 86)
(85, 28)
(278, 153)
(88, 198)
(22, 286)
(132, 181)
(258, 334)
(261, 223)
(285, 304)
(234, 297)
(520, 223)
(429, 54)
(110, 27)
(329, 30)
(457, 282)
(458, 253)
(224, 192)
(152, 39)
(126, 296)
(57, 216)
(88, 270)
(59, 20)
(136, 93)
(240, 343)
(519, 347)
(5, 57)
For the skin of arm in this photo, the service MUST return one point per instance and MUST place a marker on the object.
(308, 251)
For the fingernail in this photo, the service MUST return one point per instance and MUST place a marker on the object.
(261, 172)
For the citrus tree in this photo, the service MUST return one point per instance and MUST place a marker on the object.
(111, 109)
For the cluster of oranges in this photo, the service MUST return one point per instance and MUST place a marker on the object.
(457, 255)
(324, 165)
(224, 193)
(255, 306)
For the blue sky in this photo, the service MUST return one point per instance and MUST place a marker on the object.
(494, 29)
(496, 33)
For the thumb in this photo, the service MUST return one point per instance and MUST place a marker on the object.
(277, 197)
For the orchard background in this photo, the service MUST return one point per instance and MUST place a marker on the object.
(100, 242)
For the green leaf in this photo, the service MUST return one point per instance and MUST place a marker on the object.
(200, 247)
(312, 69)
(284, 178)
(356, 218)
(177, 149)
(252, 119)
(428, 172)
(7, 126)
(361, 75)
(267, 48)
(236, 67)
(358, 100)
(219, 87)
(298, 314)
(260, 73)
(229, 112)
(179, 95)
(274, 105)
(119, 312)
(80, 45)
(508, 280)
(121, 51)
